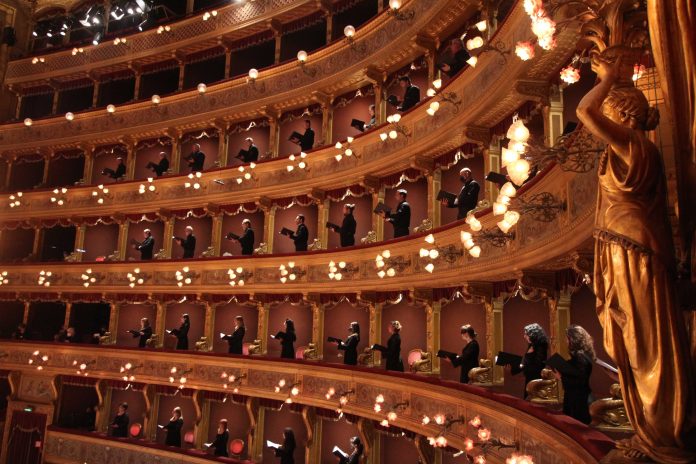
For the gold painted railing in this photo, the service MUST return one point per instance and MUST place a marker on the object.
(549, 438)
(500, 88)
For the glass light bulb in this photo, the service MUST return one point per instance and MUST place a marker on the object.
(349, 31)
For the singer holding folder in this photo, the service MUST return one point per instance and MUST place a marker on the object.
(393, 349)
(246, 240)
(347, 227)
(287, 340)
(537, 352)
(301, 236)
(401, 219)
(286, 451)
(468, 195)
(235, 340)
(354, 457)
(349, 345)
(470, 353)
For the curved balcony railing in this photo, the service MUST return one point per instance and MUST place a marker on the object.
(428, 136)
(547, 436)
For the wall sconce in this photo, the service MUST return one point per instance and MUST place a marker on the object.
(387, 266)
(174, 371)
(69, 116)
(302, 61)
(88, 278)
(46, 278)
(128, 371)
(163, 29)
(445, 97)
(231, 380)
(202, 88)
(156, 99)
(39, 360)
(77, 50)
(120, 41)
(149, 188)
(394, 410)
(4, 278)
(253, 75)
(394, 10)
(238, 277)
(210, 15)
(496, 237)
(448, 254)
(347, 150)
(341, 269)
(524, 50)
(136, 278)
(349, 33)
(185, 276)
(15, 201)
(28, 122)
(445, 422)
(101, 193)
(394, 129)
(293, 390)
(302, 164)
(81, 367)
(469, 244)
(290, 272)
(247, 175)
(59, 197)
(543, 206)
(111, 109)
(193, 180)
(37, 60)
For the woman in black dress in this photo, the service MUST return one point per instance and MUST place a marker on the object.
(236, 339)
(392, 352)
(576, 384)
(350, 345)
(145, 332)
(119, 426)
(287, 340)
(173, 428)
(181, 333)
(286, 452)
(470, 354)
(534, 358)
(221, 439)
(356, 454)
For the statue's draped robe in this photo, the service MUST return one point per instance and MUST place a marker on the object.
(643, 327)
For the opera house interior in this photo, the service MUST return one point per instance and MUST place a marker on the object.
(347, 231)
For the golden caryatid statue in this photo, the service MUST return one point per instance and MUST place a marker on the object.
(635, 269)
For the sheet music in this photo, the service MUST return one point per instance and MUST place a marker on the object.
(270, 444)
(336, 449)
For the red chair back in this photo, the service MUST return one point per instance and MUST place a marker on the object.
(299, 352)
(135, 429)
(413, 356)
(188, 437)
(236, 447)
(245, 349)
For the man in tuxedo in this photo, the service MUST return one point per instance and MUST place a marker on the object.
(401, 218)
(301, 235)
(307, 140)
(373, 118)
(146, 246)
(161, 167)
(411, 94)
(251, 154)
(468, 195)
(348, 226)
(196, 159)
(246, 240)
(458, 57)
(117, 173)
(188, 243)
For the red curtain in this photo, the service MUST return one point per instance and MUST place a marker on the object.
(26, 437)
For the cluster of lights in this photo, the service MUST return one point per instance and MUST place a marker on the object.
(517, 167)
(638, 71)
(293, 389)
(77, 50)
(174, 373)
(45, 278)
(193, 180)
(135, 278)
(59, 196)
(100, 193)
(392, 415)
(231, 380)
(37, 60)
(438, 441)
(543, 27)
(501, 205)
(434, 105)
(120, 41)
(382, 262)
(392, 133)
(301, 163)
(15, 200)
(81, 367)
(431, 254)
(184, 276)
(163, 29)
(524, 50)
(335, 270)
(236, 277)
(287, 272)
(468, 243)
(571, 73)
(150, 187)
(210, 14)
(128, 370)
(343, 398)
(88, 277)
(4, 278)
(519, 459)
(39, 360)
(346, 150)
(246, 174)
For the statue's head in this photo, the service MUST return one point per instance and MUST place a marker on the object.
(626, 105)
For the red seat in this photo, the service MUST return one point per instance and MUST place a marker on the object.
(299, 352)
(245, 348)
(135, 429)
(236, 447)
(189, 437)
(413, 356)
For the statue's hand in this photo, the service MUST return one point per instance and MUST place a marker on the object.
(607, 68)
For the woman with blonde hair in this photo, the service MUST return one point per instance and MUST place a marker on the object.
(173, 428)
(576, 381)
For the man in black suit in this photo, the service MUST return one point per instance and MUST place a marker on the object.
(411, 94)
(301, 235)
(468, 195)
(146, 246)
(117, 173)
(458, 57)
(251, 154)
(196, 159)
(161, 167)
(347, 228)
(119, 426)
(246, 240)
(401, 218)
(307, 140)
(188, 243)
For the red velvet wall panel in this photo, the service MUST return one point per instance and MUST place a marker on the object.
(16, 244)
(188, 413)
(336, 433)
(224, 322)
(395, 450)
(100, 241)
(337, 319)
(64, 172)
(136, 405)
(356, 109)
(300, 314)
(74, 401)
(237, 421)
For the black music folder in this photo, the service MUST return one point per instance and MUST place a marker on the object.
(559, 364)
(331, 225)
(503, 359)
(333, 339)
(496, 178)
(444, 195)
(446, 354)
(382, 207)
(232, 236)
(286, 231)
(295, 136)
(392, 100)
(358, 124)
(242, 153)
(339, 453)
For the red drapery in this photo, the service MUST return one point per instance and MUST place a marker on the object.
(26, 437)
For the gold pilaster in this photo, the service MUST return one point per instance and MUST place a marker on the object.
(375, 335)
(104, 413)
(318, 328)
(151, 430)
(203, 428)
(68, 310)
(8, 173)
(46, 167)
(79, 240)
(553, 116)
(216, 232)
(201, 421)
(433, 312)
(262, 329)
(130, 160)
(209, 327)
(160, 321)
(329, 28)
(494, 334)
(559, 320)
(491, 162)
(136, 88)
(228, 62)
(434, 207)
(327, 114)
(268, 226)
(257, 415)
(27, 307)
(38, 242)
(89, 164)
(113, 320)
(54, 106)
(370, 438)
(18, 108)
(175, 160)
(223, 138)
(95, 93)
(168, 232)
(313, 426)
(380, 104)
(123, 240)
(182, 70)
(274, 136)
(322, 217)
(377, 220)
